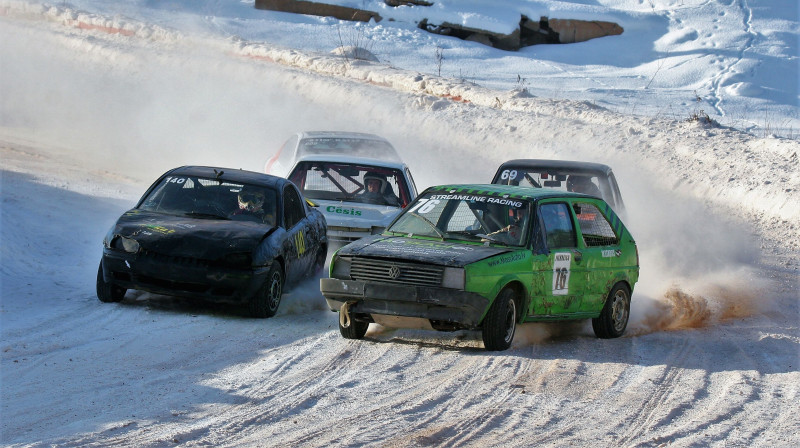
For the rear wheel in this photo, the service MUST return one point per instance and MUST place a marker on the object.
(614, 316)
(266, 301)
(500, 322)
(108, 291)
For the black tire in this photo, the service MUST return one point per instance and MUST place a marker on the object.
(614, 316)
(106, 291)
(267, 299)
(356, 330)
(500, 323)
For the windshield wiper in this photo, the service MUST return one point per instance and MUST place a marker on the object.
(467, 233)
(492, 239)
(206, 215)
(433, 226)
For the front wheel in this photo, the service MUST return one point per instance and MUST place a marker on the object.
(107, 291)
(614, 317)
(356, 330)
(500, 322)
(267, 299)
(349, 327)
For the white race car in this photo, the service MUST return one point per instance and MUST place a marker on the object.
(333, 143)
(357, 180)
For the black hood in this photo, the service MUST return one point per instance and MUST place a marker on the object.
(185, 236)
(426, 251)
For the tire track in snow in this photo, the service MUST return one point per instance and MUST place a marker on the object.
(647, 415)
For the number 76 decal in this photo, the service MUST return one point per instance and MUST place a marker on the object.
(561, 266)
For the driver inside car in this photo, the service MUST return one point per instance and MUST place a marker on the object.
(377, 190)
(582, 184)
(513, 233)
(251, 204)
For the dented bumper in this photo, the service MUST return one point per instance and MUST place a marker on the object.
(172, 277)
(437, 304)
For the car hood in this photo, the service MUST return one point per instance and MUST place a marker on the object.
(356, 214)
(426, 251)
(190, 237)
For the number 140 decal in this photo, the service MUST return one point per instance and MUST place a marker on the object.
(300, 243)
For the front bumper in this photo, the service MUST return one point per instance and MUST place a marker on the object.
(437, 304)
(181, 277)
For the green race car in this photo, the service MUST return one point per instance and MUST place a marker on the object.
(486, 257)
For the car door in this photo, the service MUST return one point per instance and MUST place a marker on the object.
(296, 224)
(601, 252)
(561, 273)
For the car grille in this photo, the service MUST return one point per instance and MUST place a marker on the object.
(174, 260)
(385, 271)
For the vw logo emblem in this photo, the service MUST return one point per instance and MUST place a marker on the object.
(394, 272)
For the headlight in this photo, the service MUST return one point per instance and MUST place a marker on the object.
(340, 268)
(453, 278)
(129, 245)
(238, 260)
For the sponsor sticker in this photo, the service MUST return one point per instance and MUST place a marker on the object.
(608, 253)
(343, 210)
(561, 267)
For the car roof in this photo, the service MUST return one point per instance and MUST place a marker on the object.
(526, 193)
(232, 175)
(340, 134)
(384, 150)
(555, 164)
(351, 160)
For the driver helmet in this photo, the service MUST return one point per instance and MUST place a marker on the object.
(577, 184)
(251, 199)
(372, 176)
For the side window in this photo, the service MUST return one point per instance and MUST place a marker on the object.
(594, 226)
(293, 208)
(559, 231)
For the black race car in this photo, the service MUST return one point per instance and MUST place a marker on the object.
(218, 234)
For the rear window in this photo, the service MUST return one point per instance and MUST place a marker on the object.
(596, 229)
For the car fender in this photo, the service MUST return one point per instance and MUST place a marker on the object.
(271, 247)
(523, 295)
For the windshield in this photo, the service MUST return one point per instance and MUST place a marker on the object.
(591, 183)
(207, 198)
(468, 217)
(351, 183)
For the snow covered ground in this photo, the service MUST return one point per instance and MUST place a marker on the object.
(90, 116)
